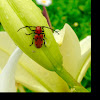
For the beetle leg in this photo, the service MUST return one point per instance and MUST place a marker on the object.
(28, 34)
(31, 29)
(44, 42)
(44, 35)
(43, 31)
(32, 42)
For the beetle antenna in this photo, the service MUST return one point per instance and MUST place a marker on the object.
(25, 27)
(50, 28)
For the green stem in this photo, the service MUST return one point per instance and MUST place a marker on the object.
(70, 80)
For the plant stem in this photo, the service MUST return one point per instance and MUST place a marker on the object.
(70, 80)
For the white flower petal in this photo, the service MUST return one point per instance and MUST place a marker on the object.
(38, 2)
(7, 76)
(44, 2)
(84, 69)
(85, 45)
(76, 55)
(70, 49)
(29, 73)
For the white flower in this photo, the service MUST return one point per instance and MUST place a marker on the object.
(44, 2)
(76, 58)
(7, 76)
(76, 55)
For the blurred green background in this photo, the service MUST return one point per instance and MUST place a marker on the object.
(77, 13)
(71, 12)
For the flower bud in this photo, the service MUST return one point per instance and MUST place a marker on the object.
(15, 14)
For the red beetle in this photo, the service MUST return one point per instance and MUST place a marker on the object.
(39, 35)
